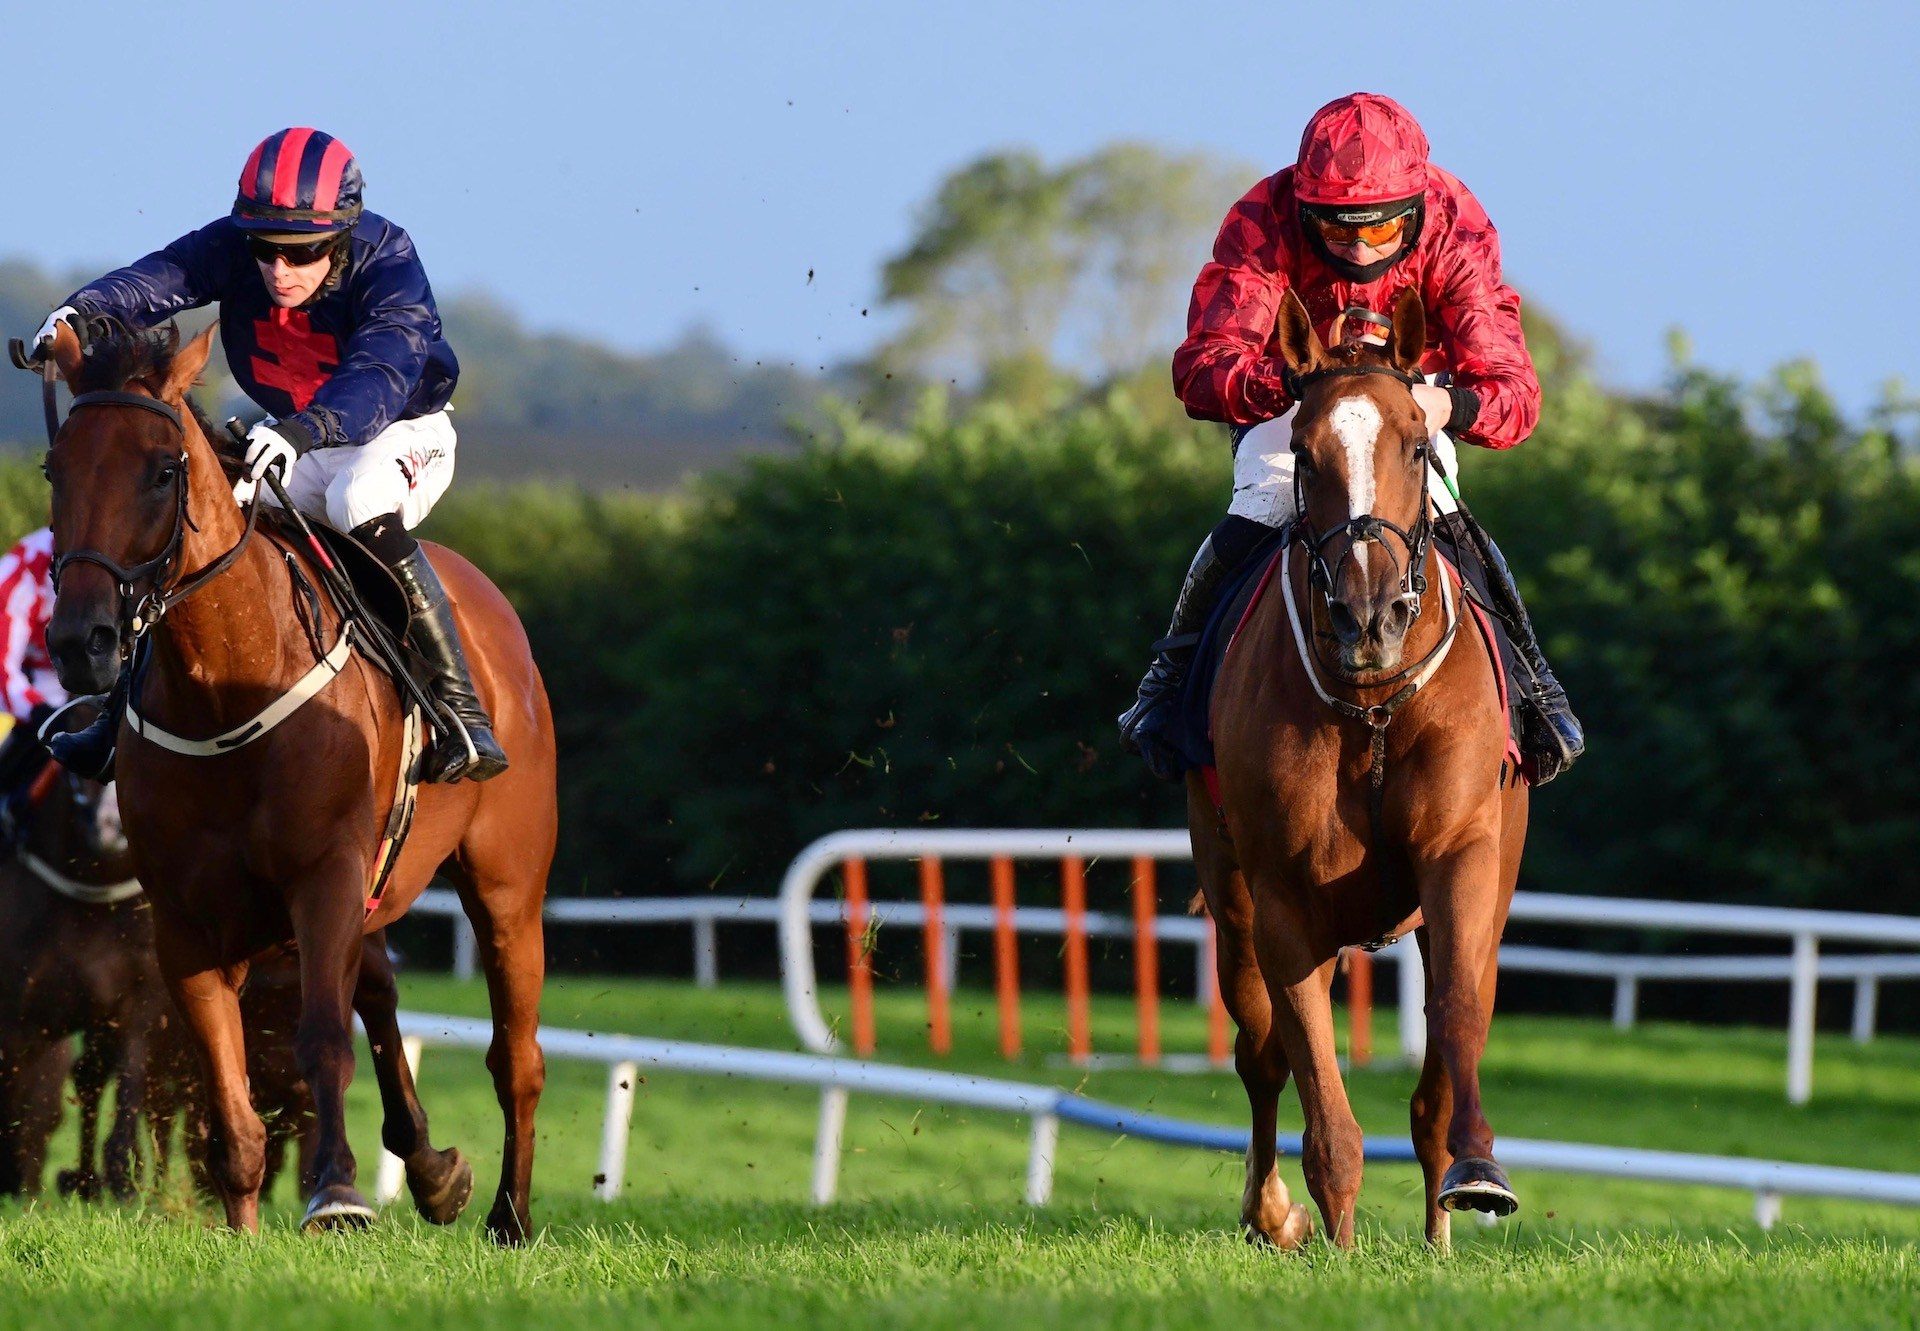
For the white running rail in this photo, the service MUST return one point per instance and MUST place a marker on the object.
(1047, 1107)
(1805, 930)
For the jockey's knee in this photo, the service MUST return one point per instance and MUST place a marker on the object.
(1235, 538)
(355, 498)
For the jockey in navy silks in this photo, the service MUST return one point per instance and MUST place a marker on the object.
(329, 324)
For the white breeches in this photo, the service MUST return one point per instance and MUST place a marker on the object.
(404, 469)
(1263, 472)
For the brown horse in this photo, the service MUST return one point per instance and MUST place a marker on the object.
(76, 958)
(1364, 790)
(275, 838)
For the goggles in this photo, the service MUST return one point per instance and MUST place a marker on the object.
(297, 256)
(1374, 234)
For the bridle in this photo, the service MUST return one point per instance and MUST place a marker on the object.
(140, 613)
(1412, 580)
(1364, 528)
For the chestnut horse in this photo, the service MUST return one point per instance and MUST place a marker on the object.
(274, 839)
(1364, 790)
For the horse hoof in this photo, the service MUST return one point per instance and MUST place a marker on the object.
(505, 1226)
(1292, 1232)
(1475, 1183)
(440, 1195)
(338, 1207)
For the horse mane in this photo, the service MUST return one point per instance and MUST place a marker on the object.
(117, 357)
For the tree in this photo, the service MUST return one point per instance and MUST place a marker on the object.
(1023, 279)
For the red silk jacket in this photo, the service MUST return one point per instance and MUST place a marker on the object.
(1226, 370)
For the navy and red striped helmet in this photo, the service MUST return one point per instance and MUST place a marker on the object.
(299, 182)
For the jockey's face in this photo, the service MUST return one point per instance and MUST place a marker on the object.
(290, 285)
(1361, 254)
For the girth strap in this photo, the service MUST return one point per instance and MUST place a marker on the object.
(308, 687)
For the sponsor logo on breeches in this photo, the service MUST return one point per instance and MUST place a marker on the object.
(415, 461)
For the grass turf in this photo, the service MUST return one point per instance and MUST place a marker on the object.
(712, 1229)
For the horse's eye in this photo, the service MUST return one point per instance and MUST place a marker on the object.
(166, 476)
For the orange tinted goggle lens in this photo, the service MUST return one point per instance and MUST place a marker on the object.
(1378, 233)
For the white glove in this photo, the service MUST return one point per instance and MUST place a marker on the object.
(43, 340)
(267, 449)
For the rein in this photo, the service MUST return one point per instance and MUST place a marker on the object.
(1412, 581)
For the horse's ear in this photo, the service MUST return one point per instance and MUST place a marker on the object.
(66, 351)
(1409, 341)
(188, 363)
(1299, 345)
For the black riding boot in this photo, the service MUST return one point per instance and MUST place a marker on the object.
(1143, 725)
(1551, 734)
(436, 637)
(88, 752)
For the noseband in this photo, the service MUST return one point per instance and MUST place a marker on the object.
(1365, 527)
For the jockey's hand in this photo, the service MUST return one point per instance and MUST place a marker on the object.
(43, 340)
(271, 446)
(1436, 403)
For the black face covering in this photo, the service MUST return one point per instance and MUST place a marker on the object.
(1365, 272)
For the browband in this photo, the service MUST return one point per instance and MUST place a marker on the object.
(140, 400)
(1297, 384)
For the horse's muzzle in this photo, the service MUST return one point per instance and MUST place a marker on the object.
(83, 638)
(1371, 631)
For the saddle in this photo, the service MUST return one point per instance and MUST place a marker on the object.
(1191, 730)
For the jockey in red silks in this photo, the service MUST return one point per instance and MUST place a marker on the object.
(1362, 217)
(29, 688)
(330, 325)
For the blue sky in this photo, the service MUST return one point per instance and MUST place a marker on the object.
(625, 170)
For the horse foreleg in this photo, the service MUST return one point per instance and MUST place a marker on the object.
(512, 951)
(1299, 986)
(1459, 901)
(1268, 1215)
(208, 1002)
(1428, 1112)
(441, 1181)
(327, 918)
(91, 1071)
(120, 1162)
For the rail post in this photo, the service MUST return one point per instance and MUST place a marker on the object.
(1073, 900)
(1146, 959)
(622, 1080)
(1626, 1000)
(1412, 982)
(1806, 979)
(826, 1143)
(932, 897)
(1006, 957)
(1043, 1145)
(706, 951)
(859, 957)
(1217, 1044)
(466, 948)
(1359, 1008)
(1866, 999)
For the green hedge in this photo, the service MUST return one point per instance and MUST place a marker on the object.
(937, 626)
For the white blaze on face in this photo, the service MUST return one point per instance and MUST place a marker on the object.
(1356, 424)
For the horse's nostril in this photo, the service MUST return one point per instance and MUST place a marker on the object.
(1398, 617)
(1346, 626)
(102, 641)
